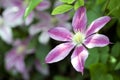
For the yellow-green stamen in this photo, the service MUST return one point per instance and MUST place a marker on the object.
(78, 38)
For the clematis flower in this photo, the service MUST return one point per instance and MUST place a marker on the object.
(81, 38)
(5, 31)
(52, 21)
(16, 11)
(14, 59)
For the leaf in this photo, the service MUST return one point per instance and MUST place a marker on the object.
(93, 58)
(62, 9)
(42, 51)
(114, 7)
(117, 66)
(31, 6)
(61, 78)
(99, 72)
(103, 51)
(78, 4)
(93, 14)
(67, 1)
(116, 50)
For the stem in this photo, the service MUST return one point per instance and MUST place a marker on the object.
(113, 10)
(107, 3)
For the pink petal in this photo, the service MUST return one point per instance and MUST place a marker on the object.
(97, 24)
(30, 18)
(78, 58)
(59, 52)
(45, 4)
(10, 59)
(13, 16)
(80, 20)
(44, 16)
(96, 40)
(60, 34)
(6, 34)
(63, 17)
(44, 37)
(36, 28)
(19, 64)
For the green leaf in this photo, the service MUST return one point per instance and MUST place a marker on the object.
(42, 51)
(93, 57)
(31, 6)
(62, 9)
(99, 72)
(118, 29)
(116, 50)
(114, 7)
(117, 66)
(78, 4)
(67, 1)
(93, 14)
(61, 78)
(103, 51)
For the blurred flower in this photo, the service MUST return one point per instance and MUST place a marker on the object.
(48, 22)
(14, 13)
(5, 31)
(81, 38)
(14, 59)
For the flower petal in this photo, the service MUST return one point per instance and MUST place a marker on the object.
(97, 25)
(29, 19)
(80, 20)
(44, 38)
(59, 52)
(6, 34)
(19, 64)
(44, 16)
(45, 4)
(63, 17)
(78, 58)
(36, 28)
(10, 59)
(96, 40)
(60, 34)
(13, 16)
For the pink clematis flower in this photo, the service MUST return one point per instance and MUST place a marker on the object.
(5, 31)
(52, 21)
(14, 59)
(81, 37)
(16, 10)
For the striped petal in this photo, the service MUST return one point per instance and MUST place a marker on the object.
(60, 34)
(97, 25)
(45, 4)
(13, 16)
(59, 52)
(10, 59)
(6, 34)
(96, 40)
(36, 28)
(78, 58)
(80, 20)
(19, 64)
(44, 37)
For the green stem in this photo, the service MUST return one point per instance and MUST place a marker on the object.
(106, 6)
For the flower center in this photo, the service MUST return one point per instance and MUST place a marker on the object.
(78, 38)
(54, 21)
(21, 49)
